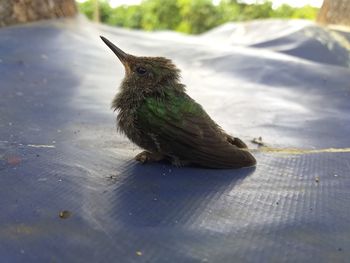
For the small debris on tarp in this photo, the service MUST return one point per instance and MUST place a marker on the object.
(139, 253)
(65, 214)
(14, 160)
(258, 141)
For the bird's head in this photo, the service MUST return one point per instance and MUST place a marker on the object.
(146, 73)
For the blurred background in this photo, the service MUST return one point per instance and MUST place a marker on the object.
(187, 16)
(192, 16)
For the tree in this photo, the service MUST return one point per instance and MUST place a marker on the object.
(258, 11)
(335, 12)
(97, 10)
(126, 16)
(283, 11)
(229, 10)
(22, 11)
(197, 16)
(306, 12)
(160, 14)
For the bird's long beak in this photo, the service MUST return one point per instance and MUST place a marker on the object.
(120, 53)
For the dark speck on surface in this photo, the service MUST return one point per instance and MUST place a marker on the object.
(258, 141)
(65, 214)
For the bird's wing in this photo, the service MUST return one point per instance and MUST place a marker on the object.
(183, 129)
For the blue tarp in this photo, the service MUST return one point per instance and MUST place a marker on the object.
(59, 150)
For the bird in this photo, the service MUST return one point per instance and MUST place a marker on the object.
(155, 113)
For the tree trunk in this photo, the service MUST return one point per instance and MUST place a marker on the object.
(335, 12)
(23, 11)
(96, 11)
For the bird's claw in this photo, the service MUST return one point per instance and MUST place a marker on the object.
(143, 157)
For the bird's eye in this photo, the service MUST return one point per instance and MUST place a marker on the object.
(141, 70)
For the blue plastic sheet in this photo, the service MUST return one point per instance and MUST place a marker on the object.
(59, 150)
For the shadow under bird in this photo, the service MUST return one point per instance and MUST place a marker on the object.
(155, 113)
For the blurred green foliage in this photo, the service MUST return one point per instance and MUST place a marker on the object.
(189, 16)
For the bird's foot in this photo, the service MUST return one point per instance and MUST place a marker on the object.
(146, 157)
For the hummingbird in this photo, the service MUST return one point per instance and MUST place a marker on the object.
(155, 113)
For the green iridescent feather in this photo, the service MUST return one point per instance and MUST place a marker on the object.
(172, 107)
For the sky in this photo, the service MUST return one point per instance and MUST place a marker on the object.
(276, 3)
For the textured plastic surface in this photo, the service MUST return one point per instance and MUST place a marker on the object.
(60, 151)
